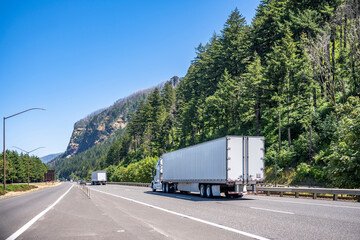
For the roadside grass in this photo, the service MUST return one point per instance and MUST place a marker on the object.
(16, 188)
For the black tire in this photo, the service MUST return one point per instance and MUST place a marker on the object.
(168, 189)
(202, 190)
(208, 191)
(163, 187)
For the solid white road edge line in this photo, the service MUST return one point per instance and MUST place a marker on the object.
(271, 210)
(32, 221)
(315, 204)
(186, 216)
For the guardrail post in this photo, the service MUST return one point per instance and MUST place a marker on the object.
(314, 195)
(335, 197)
(267, 193)
(296, 194)
(281, 194)
(358, 198)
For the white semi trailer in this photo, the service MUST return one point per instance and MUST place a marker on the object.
(226, 164)
(98, 178)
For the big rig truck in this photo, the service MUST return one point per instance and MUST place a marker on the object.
(98, 178)
(224, 165)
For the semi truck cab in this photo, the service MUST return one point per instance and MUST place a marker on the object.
(156, 182)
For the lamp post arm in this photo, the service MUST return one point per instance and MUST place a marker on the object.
(35, 149)
(23, 112)
(27, 152)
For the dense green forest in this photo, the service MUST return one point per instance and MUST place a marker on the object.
(17, 168)
(292, 75)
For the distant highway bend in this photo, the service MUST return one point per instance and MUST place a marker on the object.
(125, 212)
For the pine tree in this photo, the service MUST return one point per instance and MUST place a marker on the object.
(252, 93)
(235, 43)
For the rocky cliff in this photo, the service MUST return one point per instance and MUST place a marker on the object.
(98, 126)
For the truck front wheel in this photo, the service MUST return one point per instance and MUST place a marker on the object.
(202, 191)
(164, 187)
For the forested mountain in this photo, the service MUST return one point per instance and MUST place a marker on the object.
(98, 126)
(291, 76)
(17, 167)
(93, 135)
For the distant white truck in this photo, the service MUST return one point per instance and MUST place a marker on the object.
(98, 178)
(224, 165)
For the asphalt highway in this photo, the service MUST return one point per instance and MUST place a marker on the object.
(125, 212)
(17, 211)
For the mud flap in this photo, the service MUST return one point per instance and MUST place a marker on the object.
(244, 190)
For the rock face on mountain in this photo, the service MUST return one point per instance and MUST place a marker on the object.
(93, 130)
(98, 126)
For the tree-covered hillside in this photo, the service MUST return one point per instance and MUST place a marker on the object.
(291, 76)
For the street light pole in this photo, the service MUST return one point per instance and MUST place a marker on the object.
(4, 152)
(28, 157)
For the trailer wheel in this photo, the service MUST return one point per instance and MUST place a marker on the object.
(202, 191)
(208, 191)
(163, 187)
(167, 188)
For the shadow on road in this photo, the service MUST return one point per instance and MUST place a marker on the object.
(196, 197)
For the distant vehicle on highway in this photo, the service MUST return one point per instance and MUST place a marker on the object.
(98, 178)
(82, 182)
(225, 165)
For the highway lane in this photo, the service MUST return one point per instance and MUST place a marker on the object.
(269, 217)
(17, 211)
(106, 217)
(125, 212)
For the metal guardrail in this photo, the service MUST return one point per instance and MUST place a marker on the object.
(314, 191)
(268, 190)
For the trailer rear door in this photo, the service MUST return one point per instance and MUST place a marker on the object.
(255, 158)
(235, 157)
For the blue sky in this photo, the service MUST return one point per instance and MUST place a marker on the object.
(75, 57)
